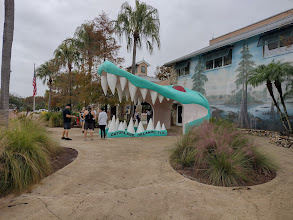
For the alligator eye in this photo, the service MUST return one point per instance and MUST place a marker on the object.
(179, 88)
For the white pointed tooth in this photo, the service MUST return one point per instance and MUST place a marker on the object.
(132, 90)
(140, 128)
(136, 123)
(158, 127)
(120, 127)
(139, 100)
(119, 91)
(161, 98)
(117, 123)
(150, 126)
(163, 127)
(112, 80)
(154, 96)
(123, 82)
(104, 83)
(130, 127)
(124, 125)
(126, 94)
(168, 99)
(109, 123)
(143, 92)
(112, 127)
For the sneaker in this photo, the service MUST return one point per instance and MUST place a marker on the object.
(63, 138)
(68, 139)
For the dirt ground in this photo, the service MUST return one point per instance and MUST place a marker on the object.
(131, 178)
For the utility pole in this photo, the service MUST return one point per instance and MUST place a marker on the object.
(35, 81)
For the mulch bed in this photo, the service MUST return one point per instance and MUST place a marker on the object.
(62, 159)
(199, 177)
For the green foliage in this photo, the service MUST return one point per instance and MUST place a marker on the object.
(221, 154)
(237, 97)
(56, 120)
(199, 78)
(25, 152)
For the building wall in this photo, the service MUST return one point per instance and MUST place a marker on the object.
(139, 69)
(221, 90)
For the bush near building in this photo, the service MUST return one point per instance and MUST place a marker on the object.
(217, 153)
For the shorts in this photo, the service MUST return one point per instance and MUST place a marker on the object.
(67, 125)
(82, 120)
(89, 125)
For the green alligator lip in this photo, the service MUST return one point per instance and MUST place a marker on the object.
(188, 97)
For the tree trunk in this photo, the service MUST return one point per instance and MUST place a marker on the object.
(243, 116)
(279, 88)
(6, 61)
(70, 83)
(133, 71)
(270, 89)
(50, 94)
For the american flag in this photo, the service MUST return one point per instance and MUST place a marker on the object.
(34, 84)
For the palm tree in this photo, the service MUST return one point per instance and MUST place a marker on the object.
(6, 60)
(46, 72)
(275, 73)
(138, 24)
(66, 54)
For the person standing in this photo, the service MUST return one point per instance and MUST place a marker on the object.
(82, 119)
(89, 122)
(67, 122)
(136, 115)
(94, 117)
(102, 120)
(148, 115)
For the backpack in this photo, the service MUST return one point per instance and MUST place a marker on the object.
(89, 117)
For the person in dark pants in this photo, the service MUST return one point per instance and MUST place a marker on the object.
(89, 122)
(102, 120)
(67, 122)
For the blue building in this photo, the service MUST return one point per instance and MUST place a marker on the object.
(216, 70)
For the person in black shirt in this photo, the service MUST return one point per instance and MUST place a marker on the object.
(89, 122)
(67, 121)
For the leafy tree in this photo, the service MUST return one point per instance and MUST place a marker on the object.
(275, 73)
(163, 72)
(245, 66)
(66, 54)
(138, 24)
(199, 79)
(46, 72)
(6, 60)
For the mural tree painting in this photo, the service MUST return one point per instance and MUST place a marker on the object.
(199, 79)
(275, 73)
(245, 66)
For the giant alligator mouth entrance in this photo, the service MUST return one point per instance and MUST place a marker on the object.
(161, 98)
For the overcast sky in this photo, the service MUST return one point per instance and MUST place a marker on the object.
(186, 26)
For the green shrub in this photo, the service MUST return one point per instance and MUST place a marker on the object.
(56, 120)
(24, 155)
(221, 154)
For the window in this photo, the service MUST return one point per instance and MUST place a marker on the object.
(143, 69)
(218, 59)
(182, 68)
(135, 69)
(277, 42)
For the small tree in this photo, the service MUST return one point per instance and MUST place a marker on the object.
(275, 73)
(198, 78)
(163, 72)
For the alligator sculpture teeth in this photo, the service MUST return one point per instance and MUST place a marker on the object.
(195, 107)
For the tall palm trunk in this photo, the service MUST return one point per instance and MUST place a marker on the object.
(6, 61)
(133, 68)
(279, 88)
(50, 94)
(70, 82)
(270, 89)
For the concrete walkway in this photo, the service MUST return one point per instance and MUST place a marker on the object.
(131, 178)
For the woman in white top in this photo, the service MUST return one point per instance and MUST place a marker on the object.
(102, 120)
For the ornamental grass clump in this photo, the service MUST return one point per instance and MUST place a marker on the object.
(217, 153)
(25, 151)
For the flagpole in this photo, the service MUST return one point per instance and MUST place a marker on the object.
(34, 103)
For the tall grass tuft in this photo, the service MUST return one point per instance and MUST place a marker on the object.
(56, 120)
(221, 154)
(24, 155)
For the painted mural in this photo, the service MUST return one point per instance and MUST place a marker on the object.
(229, 93)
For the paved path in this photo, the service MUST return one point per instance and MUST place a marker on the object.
(131, 178)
